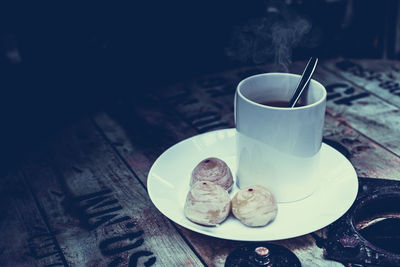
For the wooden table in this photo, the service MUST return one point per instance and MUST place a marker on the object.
(82, 201)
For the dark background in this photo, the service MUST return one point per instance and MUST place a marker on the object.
(62, 60)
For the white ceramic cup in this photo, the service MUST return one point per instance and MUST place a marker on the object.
(279, 147)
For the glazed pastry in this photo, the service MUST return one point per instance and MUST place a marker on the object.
(213, 170)
(254, 206)
(207, 203)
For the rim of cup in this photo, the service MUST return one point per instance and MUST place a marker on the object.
(318, 84)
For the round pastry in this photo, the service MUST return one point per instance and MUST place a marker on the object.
(213, 170)
(254, 206)
(207, 203)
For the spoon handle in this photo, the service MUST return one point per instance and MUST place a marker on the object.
(305, 79)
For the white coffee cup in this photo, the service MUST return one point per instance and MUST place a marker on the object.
(279, 147)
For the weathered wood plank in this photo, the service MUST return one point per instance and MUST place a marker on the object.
(100, 212)
(25, 238)
(368, 158)
(379, 77)
(147, 130)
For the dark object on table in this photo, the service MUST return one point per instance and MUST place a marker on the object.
(262, 254)
(369, 233)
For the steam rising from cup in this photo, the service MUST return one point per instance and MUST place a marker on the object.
(273, 37)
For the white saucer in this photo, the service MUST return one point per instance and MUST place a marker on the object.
(169, 177)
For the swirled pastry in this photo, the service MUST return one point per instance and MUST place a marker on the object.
(254, 206)
(207, 203)
(213, 170)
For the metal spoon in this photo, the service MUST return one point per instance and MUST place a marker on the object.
(304, 81)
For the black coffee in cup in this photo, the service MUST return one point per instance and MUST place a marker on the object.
(279, 104)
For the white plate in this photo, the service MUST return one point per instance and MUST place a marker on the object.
(169, 177)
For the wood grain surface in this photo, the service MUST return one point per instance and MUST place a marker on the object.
(26, 237)
(207, 104)
(82, 201)
(99, 212)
